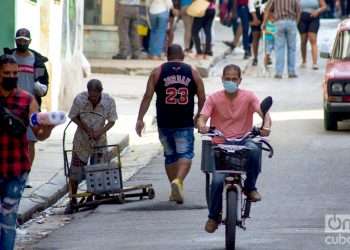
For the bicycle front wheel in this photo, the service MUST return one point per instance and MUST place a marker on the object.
(231, 219)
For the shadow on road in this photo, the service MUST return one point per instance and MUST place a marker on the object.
(165, 206)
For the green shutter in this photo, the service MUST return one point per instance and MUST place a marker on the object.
(7, 24)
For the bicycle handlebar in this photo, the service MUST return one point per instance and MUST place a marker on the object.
(254, 133)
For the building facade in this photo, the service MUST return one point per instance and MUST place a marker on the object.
(100, 30)
(57, 32)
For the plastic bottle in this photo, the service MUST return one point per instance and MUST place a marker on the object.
(47, 118)
(40, 89)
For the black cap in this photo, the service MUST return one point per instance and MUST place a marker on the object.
(23, 34)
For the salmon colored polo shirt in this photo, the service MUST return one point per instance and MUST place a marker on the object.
(233, 118)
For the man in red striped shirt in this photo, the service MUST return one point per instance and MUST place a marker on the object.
(16, 106)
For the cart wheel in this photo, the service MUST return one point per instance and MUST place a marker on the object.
(121, 198)
(151, 194)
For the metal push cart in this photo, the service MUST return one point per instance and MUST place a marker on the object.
(103, 177)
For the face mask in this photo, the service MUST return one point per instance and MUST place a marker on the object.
(230, 86)
(9, 83)
(22, 47)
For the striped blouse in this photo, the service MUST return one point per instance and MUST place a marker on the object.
(284, 9)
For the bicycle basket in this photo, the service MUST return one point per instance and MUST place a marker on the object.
(231, 161)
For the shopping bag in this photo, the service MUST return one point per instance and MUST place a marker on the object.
(198, 8)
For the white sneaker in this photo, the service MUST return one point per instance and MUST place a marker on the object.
(303, 65)
(315, 67)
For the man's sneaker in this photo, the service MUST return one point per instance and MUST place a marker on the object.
(139, 56)
(293, 75)
(211, 226)
(315, 67)
(229, 44)
(177, 191)
(171, 196)
(247, 54)
(278, 76)
(71, 208)
(269, 61)
(119, 57)
(255, 62)
(254, 196)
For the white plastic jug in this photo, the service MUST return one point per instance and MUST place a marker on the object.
(48, 118)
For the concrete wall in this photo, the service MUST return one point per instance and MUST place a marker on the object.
(71, 53)
(108, 12)
(100, 41)
(28, 16)
(57, 32)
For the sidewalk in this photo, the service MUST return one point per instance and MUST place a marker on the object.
(47, 175)
(144, 67)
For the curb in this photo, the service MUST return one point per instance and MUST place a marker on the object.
(50, 192)
(145, 67)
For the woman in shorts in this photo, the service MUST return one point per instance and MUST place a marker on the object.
(308, 27)
(256, 17)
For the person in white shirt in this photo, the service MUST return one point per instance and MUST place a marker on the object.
(159, 17)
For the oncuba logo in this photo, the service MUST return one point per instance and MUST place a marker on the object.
(337, 223)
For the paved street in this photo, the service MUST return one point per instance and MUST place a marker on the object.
(307, 179)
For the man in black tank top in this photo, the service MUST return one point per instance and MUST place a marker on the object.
(175, 83)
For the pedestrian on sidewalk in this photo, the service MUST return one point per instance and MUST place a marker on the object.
(286, 13)
(32, 76)
(269, 39)
(175, 83)
(16, 107)
(256, 14)
(129, 40)
(231, 111)
(94, 113)
(159, 16)
(344, 8)
(174, 13)
(188, 22)
(205, 23)
(231, 7)
(244, 16)
(308, 27)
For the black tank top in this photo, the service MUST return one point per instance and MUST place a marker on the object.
(175, 91)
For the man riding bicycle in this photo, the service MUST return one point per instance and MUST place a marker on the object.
(231, 111)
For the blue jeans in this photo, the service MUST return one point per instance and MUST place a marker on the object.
(159, 23)
(177, 143)
(10, 194)
(243, 14)
(286, 36)
(217, 185)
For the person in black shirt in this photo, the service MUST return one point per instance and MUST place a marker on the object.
(175, 83)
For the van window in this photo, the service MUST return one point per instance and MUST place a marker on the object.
(341, 48)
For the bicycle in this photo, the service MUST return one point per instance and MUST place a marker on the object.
(231, 159)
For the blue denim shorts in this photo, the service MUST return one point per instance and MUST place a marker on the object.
(177, 143)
